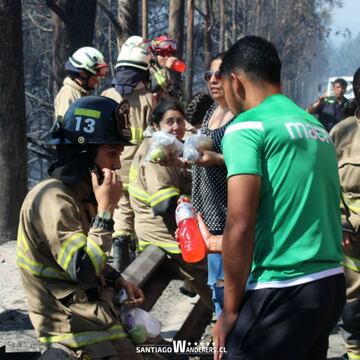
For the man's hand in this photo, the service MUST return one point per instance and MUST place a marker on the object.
(107, 193)
(135, 294)
(213, 242)
(316, 103)
(210, 158)
(169, 61)
(221, 330)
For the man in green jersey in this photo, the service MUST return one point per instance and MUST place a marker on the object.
(284, 285)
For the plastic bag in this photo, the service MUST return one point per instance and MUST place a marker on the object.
(195, 145)
(135, 317)
(163, 145)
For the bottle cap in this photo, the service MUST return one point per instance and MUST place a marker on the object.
(184, 198)
(184, 211)
(178, 66)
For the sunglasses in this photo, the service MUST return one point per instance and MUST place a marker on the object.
(208, 75)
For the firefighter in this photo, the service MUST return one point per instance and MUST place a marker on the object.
(162, 52)
(154, 191)
(84, 69)
(131, 81)
(65, 235)
(346, 137)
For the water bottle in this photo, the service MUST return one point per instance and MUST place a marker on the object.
(193, 247)
(178, 66)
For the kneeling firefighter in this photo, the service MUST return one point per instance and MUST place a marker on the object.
(65, 236)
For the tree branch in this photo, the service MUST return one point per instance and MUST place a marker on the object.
(212, 16)
(57, 10)
(41, 101)
(37, 24)
(117, 27)
(199, 11)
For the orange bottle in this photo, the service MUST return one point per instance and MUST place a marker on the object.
(178, 66)
(193, 247)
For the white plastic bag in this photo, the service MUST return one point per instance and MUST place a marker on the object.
(163, 145)
(136, 316)
(195, 145)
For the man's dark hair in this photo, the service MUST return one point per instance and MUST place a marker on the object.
(197, 108)
(341, 81)
(254, 56)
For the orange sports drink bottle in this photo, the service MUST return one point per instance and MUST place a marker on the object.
(193, 247)
(178, 66)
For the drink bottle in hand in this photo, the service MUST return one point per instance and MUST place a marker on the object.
(178, 66)
(193, 247)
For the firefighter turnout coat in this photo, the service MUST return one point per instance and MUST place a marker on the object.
(149, 185)
(69, 92)
(142, 103)
(54, 225)
(346, 137)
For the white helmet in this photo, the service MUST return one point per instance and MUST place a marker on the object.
(87, 58)
(134, 53)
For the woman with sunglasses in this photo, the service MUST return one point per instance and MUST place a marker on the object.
(209, 195)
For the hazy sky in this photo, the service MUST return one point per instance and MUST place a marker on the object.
(346, 17)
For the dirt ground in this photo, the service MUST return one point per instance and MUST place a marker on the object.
(16, 331)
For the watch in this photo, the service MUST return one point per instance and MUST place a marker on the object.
(106, 215)
(102, 223)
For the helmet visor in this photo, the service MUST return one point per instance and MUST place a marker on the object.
(102, 70)
(166, 48)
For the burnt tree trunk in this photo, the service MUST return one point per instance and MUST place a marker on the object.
(74, 22)
(207, 31)
(189, 49)
(128, 17)
(176, 24)
(233, 21)
(144, 20)
(222, 26)
(176, 31)
(13, 155)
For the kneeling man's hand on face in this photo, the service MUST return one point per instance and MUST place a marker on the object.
(107, 193)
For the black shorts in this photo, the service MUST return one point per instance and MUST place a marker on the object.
(291, 323)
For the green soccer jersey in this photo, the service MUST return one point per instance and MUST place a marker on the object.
(298, 227)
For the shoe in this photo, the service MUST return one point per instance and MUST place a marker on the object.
(187, 292)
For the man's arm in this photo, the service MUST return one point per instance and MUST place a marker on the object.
(238, 245)
(239, 236)
(316, 105)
